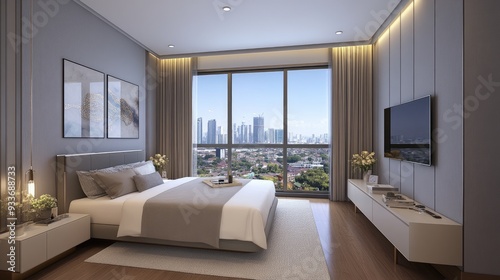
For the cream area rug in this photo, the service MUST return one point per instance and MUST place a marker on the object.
(294, 252)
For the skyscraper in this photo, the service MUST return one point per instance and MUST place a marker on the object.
(199, 131)
(279, 135)
(258, 130)
(211, 133)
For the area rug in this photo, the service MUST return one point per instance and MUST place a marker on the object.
(294, 252)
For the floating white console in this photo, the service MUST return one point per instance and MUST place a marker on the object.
(41, 243)
(417, 236)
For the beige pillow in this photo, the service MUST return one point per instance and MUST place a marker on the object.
(118, 183)
(144, 182)
(89, 185)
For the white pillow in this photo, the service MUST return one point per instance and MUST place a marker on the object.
(145, 169)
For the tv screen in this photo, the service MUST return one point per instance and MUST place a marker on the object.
(407, 131)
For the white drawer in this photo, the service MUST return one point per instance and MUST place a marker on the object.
(362, 201)
(392, 228)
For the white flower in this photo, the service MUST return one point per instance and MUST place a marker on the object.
(363, 161)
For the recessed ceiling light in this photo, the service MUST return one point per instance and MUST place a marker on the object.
(171, 46)
(226, 8)
(339, 32)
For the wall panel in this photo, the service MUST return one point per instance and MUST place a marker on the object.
(395, 89)
(424, 85)
(448, 127)
(407, 169)
(381, 101)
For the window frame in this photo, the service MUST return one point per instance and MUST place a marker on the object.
(229, 146)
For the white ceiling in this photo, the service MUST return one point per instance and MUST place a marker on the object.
(201, 27)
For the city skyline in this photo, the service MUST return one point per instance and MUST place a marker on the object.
(261, 94)
(245, 134)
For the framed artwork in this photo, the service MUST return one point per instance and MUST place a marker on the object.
(373, 180)
(83, 101)
(123, 109)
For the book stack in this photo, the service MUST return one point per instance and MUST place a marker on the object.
(379, 189)
(397, 200)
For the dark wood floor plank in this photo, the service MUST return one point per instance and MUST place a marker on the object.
(353, 248)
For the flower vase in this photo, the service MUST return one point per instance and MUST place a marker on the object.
(366, 175)
(164, 174)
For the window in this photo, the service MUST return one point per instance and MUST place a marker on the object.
(268, 124)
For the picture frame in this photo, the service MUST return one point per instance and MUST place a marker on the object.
(122, 108)
(373, 180)
(83, 101)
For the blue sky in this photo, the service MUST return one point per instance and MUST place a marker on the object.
(261, 93)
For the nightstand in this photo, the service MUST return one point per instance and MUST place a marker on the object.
(41, 243)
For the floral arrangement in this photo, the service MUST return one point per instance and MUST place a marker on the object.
(44, 202)
(363, 161)
(159, 161)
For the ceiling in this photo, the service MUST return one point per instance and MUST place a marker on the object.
(200, 27)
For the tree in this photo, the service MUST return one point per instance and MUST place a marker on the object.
(315, 178)
(294, 158)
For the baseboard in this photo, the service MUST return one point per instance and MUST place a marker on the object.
(454, 273)
(475, 276)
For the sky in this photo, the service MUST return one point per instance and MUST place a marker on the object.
(261, 94)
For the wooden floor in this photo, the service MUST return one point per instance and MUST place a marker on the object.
(353, 247)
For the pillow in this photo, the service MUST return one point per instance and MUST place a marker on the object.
(117, 183)
(146, 168)
(89, 185)
(147, 181)
(97, 180)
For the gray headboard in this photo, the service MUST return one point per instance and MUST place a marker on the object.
(68, 185)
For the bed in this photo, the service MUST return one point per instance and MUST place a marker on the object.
(245, 223)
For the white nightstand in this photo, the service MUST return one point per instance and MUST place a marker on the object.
(41, 243)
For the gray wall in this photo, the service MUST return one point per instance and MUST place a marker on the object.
(421, 54)
(481, 136)
(66, 30)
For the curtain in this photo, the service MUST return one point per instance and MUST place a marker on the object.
(352, 114)
(174, 114)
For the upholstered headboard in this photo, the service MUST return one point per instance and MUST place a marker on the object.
(68, 185)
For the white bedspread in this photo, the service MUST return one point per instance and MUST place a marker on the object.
(244, 216)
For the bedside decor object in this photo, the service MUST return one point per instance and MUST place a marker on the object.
(372, 180)
(364, 162)
(159, 162)
(43, 206)
(83, 101)
(123, 109)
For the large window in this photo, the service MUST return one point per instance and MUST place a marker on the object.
(269, 124)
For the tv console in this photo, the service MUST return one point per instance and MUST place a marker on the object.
(418, 236)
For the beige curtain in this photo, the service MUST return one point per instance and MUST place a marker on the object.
(174, 114)
(351, 112)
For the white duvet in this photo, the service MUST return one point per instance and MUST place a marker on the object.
(244, 216)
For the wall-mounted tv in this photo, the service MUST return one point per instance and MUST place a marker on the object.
(407, 131)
